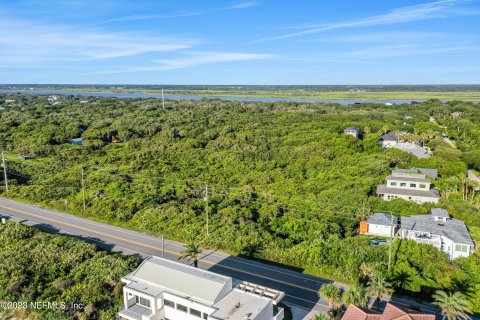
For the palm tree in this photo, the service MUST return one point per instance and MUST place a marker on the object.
(401, 280)
(380, 287)
(454, 305)
(332, 294)
(356, 295)
(191, 251)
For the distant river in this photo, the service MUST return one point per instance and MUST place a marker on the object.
(193, 97)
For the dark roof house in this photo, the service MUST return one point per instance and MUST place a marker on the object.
(382, 219)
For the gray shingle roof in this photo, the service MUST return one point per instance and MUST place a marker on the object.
(453, 229)
(352, 129)
(390, 136)
(383, 189)
(417, 151)
(432, 173)
(382, 219)
(439, 212)
(407, 179)
(177, 277)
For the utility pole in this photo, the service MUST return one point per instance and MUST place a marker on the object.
(391, 242)
(163, 247)
(4, 165)
(206, 205)
(83, 190)
(163, 100)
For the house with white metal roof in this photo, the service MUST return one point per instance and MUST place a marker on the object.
(411, 185)
(164, 289)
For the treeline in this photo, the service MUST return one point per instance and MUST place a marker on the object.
(285, 183)
(312, 88)
(79, 281)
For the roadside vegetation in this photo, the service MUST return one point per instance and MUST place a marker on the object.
(284, 183)
(40, 267)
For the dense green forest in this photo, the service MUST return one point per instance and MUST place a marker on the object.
(285, 184)
(37, 267)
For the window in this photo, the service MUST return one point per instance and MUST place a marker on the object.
(393, 184)
(403, 184)
(169, 303)
(205, 316)
(413, 185)
(461, 248)
(182, 307)
(142, 301)
(196, 313)
(423, 186)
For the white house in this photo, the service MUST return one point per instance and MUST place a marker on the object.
(411, 185)
(382, 224)
(353, 131)
(438, 229)
(164, 289)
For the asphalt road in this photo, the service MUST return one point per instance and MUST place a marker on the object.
(300, 289)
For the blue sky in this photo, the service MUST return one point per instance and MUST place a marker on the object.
(240, 42)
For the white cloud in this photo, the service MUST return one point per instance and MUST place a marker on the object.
(400, 50)
(243, 5)
(23, 42)
(391, 37)
(437, 9)
(193, 59)
(137, 17)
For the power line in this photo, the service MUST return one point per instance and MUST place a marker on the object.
(4, 164)
(206, 205)
(83, 191)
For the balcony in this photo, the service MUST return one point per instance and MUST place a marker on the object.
(278, 313)
(135, 312)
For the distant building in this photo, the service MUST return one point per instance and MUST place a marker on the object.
(411, 185)
(394, 139)
(53, 98)
(472, 176)
(381, 224)
(438, 229)
(391, 312)
(9, 101)
(76, 141)
(353, 131)
(164, 289)
(389, 139)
